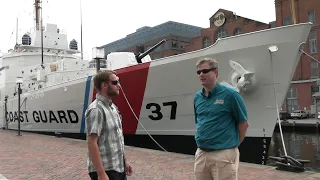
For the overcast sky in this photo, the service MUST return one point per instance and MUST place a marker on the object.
(106, 21)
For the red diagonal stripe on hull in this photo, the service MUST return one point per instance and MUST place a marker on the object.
(133, 82)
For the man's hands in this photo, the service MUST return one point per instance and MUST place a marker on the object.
(128, 169)
(103, 176)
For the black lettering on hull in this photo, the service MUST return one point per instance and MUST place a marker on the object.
(60, 116)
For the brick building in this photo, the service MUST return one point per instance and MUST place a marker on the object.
(178, 35)
(225, 23)
(303, 86)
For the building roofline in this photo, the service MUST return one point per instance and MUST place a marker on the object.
(148, 28)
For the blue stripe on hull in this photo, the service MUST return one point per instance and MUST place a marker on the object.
(85, 104)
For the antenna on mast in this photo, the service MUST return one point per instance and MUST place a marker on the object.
(81, 30)
(39, 26)
(41, 40)
(37, 11)
(17, 34)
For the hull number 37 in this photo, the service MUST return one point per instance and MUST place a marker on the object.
(157, 113)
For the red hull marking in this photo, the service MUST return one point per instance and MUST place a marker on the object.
(133, 82)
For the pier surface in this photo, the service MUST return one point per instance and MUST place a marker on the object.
(34, 156)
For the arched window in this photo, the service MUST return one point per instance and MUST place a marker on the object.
(221, 33)
(237, 31)
(205, 42)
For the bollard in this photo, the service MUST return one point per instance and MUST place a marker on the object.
(58, 135)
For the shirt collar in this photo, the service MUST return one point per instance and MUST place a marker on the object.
(212, 91)
(103, 99)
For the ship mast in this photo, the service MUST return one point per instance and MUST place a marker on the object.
(17, 32)
(39, 25)
(37, 11)
(81, 30)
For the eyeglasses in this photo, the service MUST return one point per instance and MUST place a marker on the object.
(205, 71)
(116, 82)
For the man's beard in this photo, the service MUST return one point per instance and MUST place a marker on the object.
(111, 92)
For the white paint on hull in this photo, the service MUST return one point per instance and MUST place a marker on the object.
(174, 79)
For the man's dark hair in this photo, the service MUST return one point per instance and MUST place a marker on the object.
(102, 76)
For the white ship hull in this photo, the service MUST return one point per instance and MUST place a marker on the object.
(169, 84)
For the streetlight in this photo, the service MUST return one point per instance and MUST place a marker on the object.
(6, 110)
(98, 54)
(19, 81)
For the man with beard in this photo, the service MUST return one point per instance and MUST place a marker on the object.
(106, 159)
(221, 122)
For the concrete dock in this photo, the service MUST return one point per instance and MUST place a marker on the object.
(37, 157)
(299, 125)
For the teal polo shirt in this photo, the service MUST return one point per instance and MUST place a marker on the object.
(217, 117)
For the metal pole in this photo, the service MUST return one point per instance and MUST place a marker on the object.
(6, 111)
(98, 64)
(293, 11)
(19, 91)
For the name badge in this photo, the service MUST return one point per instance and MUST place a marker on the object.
(219, 102)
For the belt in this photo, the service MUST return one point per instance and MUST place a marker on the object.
(206, 150)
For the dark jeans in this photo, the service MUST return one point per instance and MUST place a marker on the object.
(113, 175)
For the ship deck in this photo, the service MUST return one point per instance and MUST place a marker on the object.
(35, 156)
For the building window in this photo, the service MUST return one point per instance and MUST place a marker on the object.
(287, 21)
(221, 33)
(237, 31)
(313, 42)
(206, 42)
(312, 17)
(183, 44)
(314, 89)
(292, 100)
(167, 45)
(174, 44)
(314, 69)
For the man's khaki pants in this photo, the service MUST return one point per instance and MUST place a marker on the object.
(217, 165)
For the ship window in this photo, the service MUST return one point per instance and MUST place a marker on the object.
(22, 72)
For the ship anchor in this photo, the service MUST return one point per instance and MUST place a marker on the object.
(241, 79)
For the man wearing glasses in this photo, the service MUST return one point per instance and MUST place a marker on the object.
(106, 159)
(221, 122)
